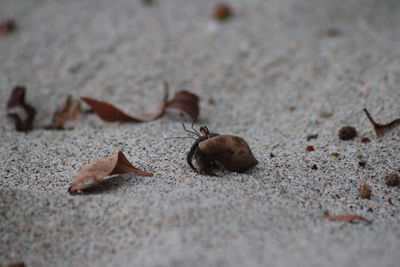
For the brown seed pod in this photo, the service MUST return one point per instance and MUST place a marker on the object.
(230, 151)
(347, 133)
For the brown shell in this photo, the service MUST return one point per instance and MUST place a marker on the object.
(230, 151)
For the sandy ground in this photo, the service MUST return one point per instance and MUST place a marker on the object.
(271, 75)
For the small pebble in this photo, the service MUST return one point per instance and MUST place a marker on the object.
(335, 155)
(314, 167)
(7, 26)
(330, 32)
(148, 2)
(362, 163)
(365, 140)
(222, 11)
(333, 32)
(312, 136)
(325, 114)
(309, 148)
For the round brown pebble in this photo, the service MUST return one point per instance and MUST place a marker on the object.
(335, 155)
(362, 163)
(392, 179)
(222, 11)
(314, 167)
(347, 133)
(7, 26)
(364, 191)
(332, 32)
(309, 148)
(365, 140)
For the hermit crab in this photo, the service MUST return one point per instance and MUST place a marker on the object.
(210, 149)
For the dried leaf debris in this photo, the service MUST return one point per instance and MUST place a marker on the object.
(184, 101)
(17, 100)
(100, 168)
(345, 218)
(68, 112)
(364, 191)
(392, 179)
(380, 129)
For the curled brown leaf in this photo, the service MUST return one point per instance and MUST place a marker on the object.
(184, 101)
(69, 111)
(381, 128)
(16, 100)
(100, 168)
(345, 218)
(108, 112)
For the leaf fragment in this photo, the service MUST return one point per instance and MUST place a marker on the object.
(100, 168)
(379, 128)
(345, 218)
(17, 100)
(68, 112)
(184, 101)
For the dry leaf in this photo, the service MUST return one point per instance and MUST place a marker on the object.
(100, 168)
(381, 128)
(17, 99)
(108, 112)
(7, 26)
(183, 100)
(345, 218)
(70, 111)
(186, 102)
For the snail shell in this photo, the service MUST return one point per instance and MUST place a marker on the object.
(232, 152)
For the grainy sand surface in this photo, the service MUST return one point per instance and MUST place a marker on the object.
(271, 74)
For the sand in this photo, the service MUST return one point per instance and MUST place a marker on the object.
(275, 73)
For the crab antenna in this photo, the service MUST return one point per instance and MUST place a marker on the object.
(179, 137)
(195, 133)
(194, 128)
